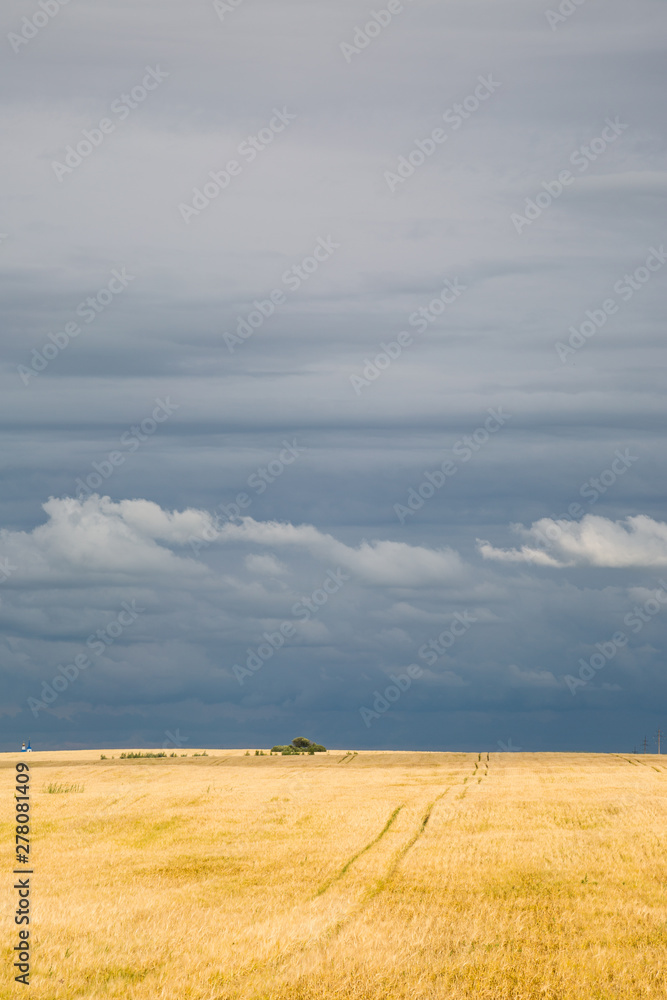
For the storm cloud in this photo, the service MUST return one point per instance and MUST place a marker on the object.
(332, 342)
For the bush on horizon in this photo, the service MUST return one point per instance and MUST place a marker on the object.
(299, 745)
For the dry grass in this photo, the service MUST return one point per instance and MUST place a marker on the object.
(360, 877)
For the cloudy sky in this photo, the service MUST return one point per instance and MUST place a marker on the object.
(333, 373)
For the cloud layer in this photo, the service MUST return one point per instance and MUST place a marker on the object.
(594, 541)
(195, 421)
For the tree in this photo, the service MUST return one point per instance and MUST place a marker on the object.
(299, 745)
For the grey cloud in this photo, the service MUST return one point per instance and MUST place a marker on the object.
(495, 347)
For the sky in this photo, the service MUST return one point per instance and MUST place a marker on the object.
(333, 374)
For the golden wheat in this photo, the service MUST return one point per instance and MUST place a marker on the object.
(406, 875)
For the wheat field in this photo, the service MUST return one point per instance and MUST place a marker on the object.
(359, 875)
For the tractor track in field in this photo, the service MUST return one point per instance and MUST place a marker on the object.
(348, 864)
(400, 854)
(354, 910)
(626, 759)
(637, 763)
(382, 882)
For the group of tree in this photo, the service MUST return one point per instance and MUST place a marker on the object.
(299, 745)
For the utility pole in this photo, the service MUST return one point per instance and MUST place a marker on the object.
(645, 744)
(658, 735)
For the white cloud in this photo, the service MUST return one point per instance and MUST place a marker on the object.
(102, 540)
(265, 565)
(593, 541)
(531, 678)
(384, 563)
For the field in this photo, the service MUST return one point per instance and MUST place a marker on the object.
(362, 875)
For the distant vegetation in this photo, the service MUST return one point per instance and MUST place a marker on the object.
(299, 745)
(132, 756)
(54, 789)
